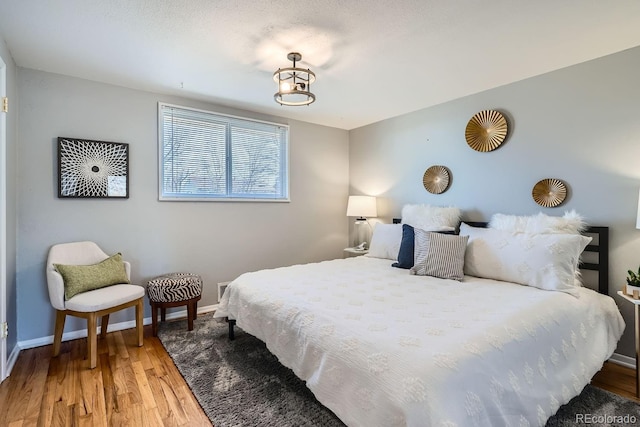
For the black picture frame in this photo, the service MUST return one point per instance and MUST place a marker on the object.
(92, 169)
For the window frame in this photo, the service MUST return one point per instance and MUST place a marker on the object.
(217, 198)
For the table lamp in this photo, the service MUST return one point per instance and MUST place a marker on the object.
(361, 207)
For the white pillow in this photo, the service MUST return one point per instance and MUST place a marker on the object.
(570, 223)
(385, 242)
(431, 218)
(544, 261)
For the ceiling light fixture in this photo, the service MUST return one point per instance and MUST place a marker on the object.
(294, 84)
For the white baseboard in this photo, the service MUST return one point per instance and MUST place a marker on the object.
(82, 333)
(13, 356)
(626, 361)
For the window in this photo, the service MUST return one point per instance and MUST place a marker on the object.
(210, 156)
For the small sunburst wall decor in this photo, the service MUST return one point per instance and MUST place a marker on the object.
(90, 169)
(549, 192)
(436, 179)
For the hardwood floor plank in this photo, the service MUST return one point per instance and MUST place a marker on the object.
(155, 351)
(143, 385)
(131, 383)
(92, 396)
(45, 417)
(192, 407)
(71, 380)
(158, 396)
(111, 344)
(175, 407)
(37, 387)
(4, 400)
(119, 379)
(60, 410)
(121, 347)
(153, 418)
(20, 395)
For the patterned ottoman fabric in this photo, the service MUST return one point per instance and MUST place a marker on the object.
(174, 287)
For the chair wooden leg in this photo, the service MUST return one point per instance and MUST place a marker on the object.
(154, 319)
(140, 322)
(57, 335)
(92, 340)
(103, 326)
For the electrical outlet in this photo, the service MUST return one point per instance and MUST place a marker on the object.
(222, 286)
(4, 330)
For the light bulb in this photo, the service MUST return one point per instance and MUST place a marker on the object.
(285, 87)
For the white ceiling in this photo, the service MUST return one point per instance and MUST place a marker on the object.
(374, 59)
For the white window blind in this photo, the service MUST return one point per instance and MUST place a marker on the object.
(210, 156)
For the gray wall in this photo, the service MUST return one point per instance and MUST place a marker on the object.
(580, 124)
(218, 240)
(10, 177)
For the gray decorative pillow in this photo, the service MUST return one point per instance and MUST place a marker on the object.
(439, 255)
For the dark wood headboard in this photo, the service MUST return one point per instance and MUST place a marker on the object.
(600, 248)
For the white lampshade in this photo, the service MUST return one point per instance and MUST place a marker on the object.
(638, 214)
(362, 206)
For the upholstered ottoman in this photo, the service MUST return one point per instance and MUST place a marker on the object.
(173, 290)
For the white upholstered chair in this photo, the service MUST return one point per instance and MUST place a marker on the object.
(91, 304)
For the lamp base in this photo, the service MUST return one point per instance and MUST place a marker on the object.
(361, 231)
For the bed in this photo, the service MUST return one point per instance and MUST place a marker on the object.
(381, 347)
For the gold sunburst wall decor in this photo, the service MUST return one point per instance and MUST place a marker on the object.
(549, 192)
(436, 179)
(486, 130)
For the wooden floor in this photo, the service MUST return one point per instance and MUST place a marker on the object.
(133, 386)
(617, 379)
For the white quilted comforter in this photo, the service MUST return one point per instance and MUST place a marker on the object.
(380, 347)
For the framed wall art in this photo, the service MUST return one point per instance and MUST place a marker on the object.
(92, 169)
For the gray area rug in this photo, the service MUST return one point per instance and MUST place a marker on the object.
(240, 383)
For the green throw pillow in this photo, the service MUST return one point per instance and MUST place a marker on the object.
(83, 278)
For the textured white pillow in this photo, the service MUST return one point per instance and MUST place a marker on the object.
(545, 261)
(570, 223)
(431, 218)
(385, 242)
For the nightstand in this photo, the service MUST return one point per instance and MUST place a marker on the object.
(350, 252)
(636, 303)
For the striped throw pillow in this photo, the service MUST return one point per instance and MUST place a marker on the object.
(439, 255)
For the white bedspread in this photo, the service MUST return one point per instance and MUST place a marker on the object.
(380, 347)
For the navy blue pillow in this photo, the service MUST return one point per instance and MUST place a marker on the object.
(407, 247)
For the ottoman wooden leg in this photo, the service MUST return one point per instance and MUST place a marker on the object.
(191, 311)
(154, 319)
